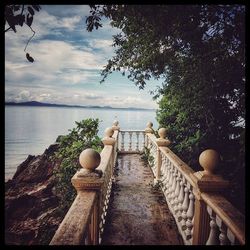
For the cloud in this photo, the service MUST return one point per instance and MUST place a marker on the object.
(101, 43)
(57, 59)
(68, 62)
(66, 10)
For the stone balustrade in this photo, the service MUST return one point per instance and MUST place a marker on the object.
(85, 220)
(202, 215)
(131, 141)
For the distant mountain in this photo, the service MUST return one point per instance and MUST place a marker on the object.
(34, 103)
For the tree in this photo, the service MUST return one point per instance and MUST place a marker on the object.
(19, 15)
(199, 51)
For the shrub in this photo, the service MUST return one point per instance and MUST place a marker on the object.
(83, 136)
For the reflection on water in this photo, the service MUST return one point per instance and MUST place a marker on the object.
(30, 130)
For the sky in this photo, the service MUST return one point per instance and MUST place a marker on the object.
(68, 63)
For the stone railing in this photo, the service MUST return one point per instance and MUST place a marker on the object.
(84, 222)
(202, 214)
(131, 141)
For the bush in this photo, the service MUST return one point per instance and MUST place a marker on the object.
(83, 136)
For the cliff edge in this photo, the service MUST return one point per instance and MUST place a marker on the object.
(31, 207)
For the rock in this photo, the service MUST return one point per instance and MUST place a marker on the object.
(36, 169)
(31, 208)
(23, 165)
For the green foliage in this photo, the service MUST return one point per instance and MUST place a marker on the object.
(83, 136)
(199, 53)
(147, 157)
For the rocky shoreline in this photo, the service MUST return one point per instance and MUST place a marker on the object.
(31, 208)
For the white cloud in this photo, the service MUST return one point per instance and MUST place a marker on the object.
(101, 43)
(67, 63)
(54, 60)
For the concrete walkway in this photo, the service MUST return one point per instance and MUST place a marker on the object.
(138, 213)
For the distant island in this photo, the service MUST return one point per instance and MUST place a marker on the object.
(41, 104)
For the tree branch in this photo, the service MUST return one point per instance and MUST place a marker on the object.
(8, 29)
(30, 38)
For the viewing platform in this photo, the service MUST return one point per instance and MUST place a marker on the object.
(138, 213)
(138, 192)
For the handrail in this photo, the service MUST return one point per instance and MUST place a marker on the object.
(84, 222)
(173, 176)
(202, 215)
(74, 227)
(233, 219)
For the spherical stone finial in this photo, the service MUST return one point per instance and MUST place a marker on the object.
(209, 160)
(149, 125)
(115, 123)
(89, 159)
(108, 132)
(162, 133)
(108, 139)
(149, 129)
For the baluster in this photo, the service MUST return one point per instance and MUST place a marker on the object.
(166, 180)
(184, 208)
(122, 142)
(172, 188)
(170, 181)
(163, 168)
(165, 173)
(213, 238)
(130, 141)
(158, 165)
(154, 155)
(192, 231)
(180, 199)
(176, 193)
(190, 214)
(223, 231)
(231, 237)
(137, 141)
(144, 140)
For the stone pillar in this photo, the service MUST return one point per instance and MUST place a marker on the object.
(89, 179)
(148, 129)
(205, 181)
(109, 140)
(161, 142)
(115, 127)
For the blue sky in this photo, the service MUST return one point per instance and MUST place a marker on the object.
(68, 62)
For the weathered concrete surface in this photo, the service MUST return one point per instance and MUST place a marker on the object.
(138, 213)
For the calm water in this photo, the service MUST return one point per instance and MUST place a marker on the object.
(30, 130)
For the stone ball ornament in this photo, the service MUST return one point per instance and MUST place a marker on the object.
(115, 123)
(209, 159)
(162, 133)
(109, 132)
(149, 125)
(162, 141)
(149, 128)
(89, 159)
